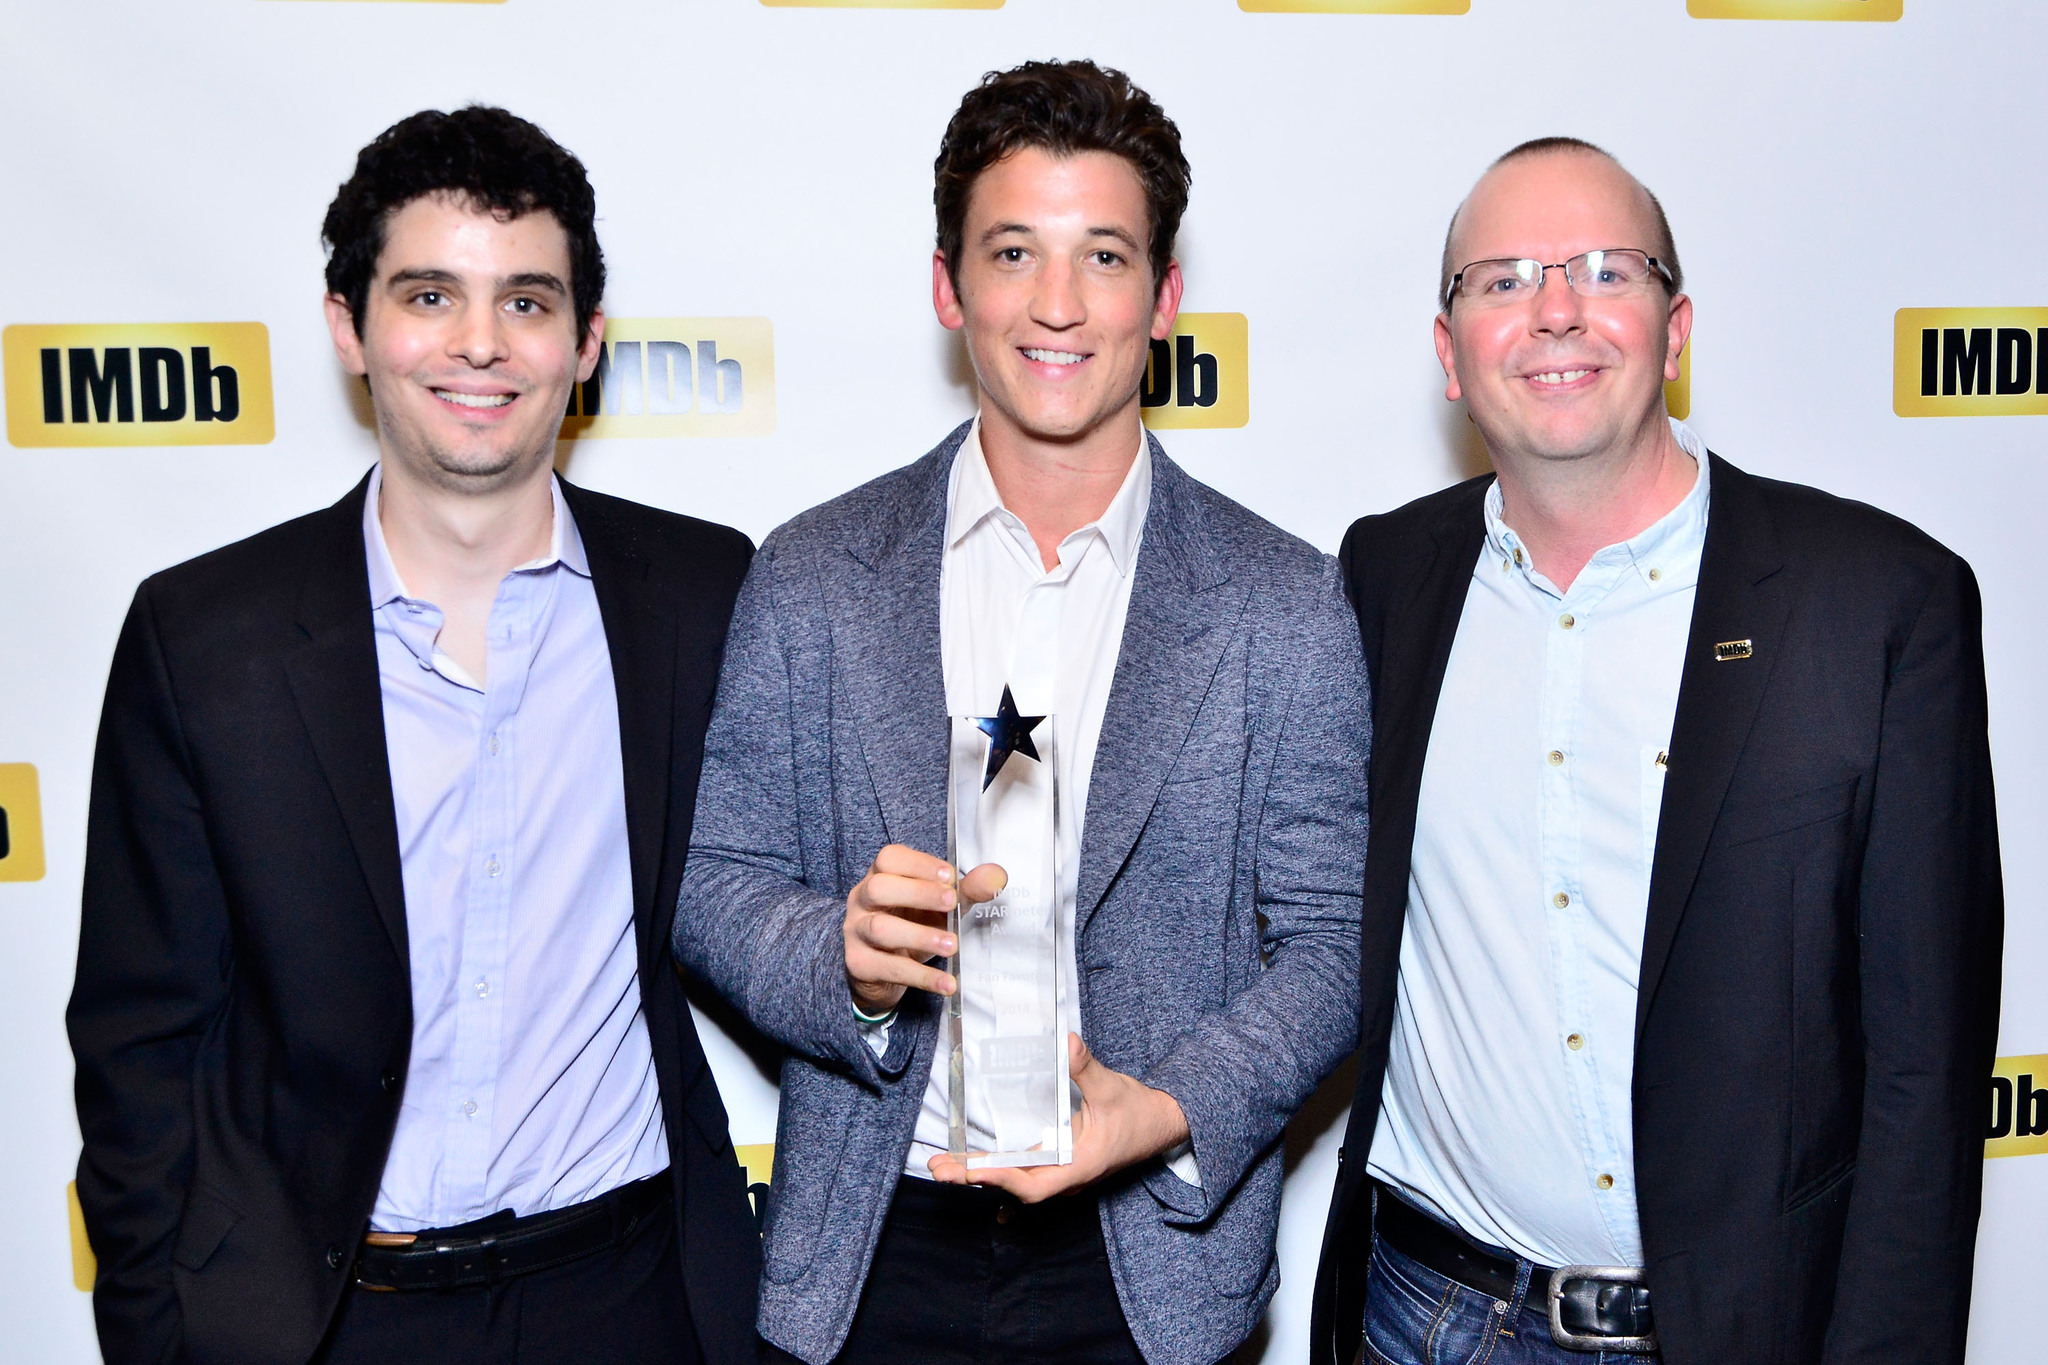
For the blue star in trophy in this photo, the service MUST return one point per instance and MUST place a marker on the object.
(1007, 733)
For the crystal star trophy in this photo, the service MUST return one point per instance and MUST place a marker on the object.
(1005, 1046)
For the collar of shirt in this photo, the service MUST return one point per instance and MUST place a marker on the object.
(417, 622)
(1664, 556)
(974, 501)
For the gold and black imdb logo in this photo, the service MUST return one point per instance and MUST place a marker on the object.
(138, 384)
(1880, 11)
(2019, 1107)
(1355, 6)
(1200, 376)
(21, 824)
(1970, 362)
(678, 377)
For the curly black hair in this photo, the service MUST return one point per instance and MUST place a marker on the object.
(492, 158)
(1061, 108)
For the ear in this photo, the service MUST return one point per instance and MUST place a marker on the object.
(1680, 332)
(1166, 305)
(592, 347)
(341, 325)
(1447, 356)
(946, 298)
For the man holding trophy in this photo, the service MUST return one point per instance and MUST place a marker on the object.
(1134, 716)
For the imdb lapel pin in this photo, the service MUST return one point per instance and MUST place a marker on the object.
(1728, 651)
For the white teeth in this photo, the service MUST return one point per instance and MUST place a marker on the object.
(1560, 376)
(474, 400)
(1045, 357)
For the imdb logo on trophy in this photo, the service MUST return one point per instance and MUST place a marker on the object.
(1881, 11)
(138, 384)
(678, 377)
(1970, 362)
(1200, 376)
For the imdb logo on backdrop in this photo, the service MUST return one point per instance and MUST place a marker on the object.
(2019, 1107)
(21, 823)
(1200, 376)
(138, 384)
(1880, 11)
(678, 377)
(1970, 362)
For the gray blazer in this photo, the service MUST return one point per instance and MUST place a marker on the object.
(1222, 867)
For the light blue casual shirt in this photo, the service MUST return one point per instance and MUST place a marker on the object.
(531, 1085)
(1507, 1105)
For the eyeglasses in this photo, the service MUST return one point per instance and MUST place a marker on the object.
(1616, 272)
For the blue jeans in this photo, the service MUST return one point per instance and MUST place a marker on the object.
(1414, 1316)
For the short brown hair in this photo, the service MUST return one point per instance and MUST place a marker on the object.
(1062, 108)
(1664, 249)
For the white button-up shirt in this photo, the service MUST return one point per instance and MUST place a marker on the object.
(1507, 1104)
(531, 1085)
(1053, 637)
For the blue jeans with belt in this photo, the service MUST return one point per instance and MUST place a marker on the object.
(1414, 1316)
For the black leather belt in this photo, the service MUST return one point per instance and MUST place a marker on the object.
(502, 1246)
(1588, 1308)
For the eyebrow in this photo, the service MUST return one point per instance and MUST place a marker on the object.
(1115, 233)
(532, 279)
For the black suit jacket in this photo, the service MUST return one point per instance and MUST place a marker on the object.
(1818, 1000)
(243, 1012)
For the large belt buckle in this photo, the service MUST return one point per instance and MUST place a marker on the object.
(1582, 1341)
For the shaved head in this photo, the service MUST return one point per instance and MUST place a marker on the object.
(1659, 244)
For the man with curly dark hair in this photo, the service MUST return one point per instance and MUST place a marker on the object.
(379, 1049)
(1203, 677)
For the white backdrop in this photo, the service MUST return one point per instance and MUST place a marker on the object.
(171, 163)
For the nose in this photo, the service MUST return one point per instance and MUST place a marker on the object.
(1558, 308)
(1057, 302)
(479, 336)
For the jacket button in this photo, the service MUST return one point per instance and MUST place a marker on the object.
(334, 1258)
(389, 1080)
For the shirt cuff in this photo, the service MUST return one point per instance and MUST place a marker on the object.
(1180, 1159)
(874, 1029)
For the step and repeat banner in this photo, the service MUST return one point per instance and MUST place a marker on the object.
(1856, 187)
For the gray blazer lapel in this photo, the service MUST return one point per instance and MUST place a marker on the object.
(883, 603)
(1182, 605)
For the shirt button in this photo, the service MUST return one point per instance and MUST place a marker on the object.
(483, 988)
(494, 744)
(1556, 758)
(1567, 620)
(491, 868)
(1518, 554)
(1605, 1182)
(1656, 574)
(469, 1108)
(1560, 900)
(1576, 1041)
(334, 1258)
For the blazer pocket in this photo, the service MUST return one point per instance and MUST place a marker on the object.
(1786, 814)
(204, 1227)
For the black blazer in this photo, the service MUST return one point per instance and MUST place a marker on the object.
(1818, 1000)
(243, 1012)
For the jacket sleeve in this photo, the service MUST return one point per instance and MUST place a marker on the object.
(1241, 1073)
(746, 921)
(1931, 927)
(154, 961)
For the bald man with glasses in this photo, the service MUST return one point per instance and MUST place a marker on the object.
(1684, 843)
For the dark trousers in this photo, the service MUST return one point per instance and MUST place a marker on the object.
(620, 1305)
(968, 1276)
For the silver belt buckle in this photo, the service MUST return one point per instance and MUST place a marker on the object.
(1577, 1341)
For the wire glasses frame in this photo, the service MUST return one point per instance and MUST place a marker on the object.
(1610, 272)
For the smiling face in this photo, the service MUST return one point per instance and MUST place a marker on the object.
(1558, 376)
(468, 342)
(1057, 302)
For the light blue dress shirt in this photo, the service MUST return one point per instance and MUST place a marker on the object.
(1507, 1103)
(531, 1085)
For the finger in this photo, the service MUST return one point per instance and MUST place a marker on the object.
(984, 883)
(898, 860)
(888, 891)
(894, 934)
(880, 972)
(1029, 1184)
(948, 1169)
(1082, 1068)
